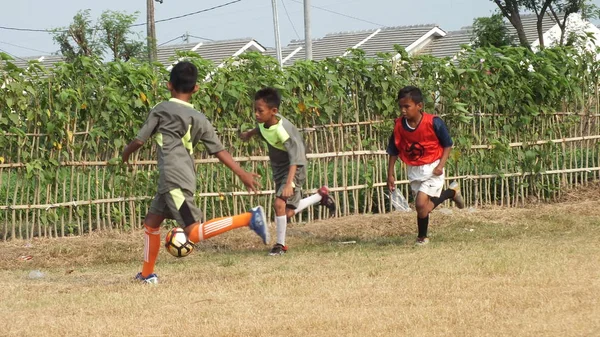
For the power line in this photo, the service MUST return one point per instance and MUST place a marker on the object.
(344, 15)
(13, 56)
(290, 19)
(33, 30)
(189, 14)
(171, 40)
(32, 49)
(134, 25)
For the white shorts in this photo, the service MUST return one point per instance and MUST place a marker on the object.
(422, 179)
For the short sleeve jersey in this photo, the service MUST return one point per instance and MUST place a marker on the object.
(178, 128)
(286, 147)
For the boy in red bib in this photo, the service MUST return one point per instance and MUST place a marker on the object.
(423, 143)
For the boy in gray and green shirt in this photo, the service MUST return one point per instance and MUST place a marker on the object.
(288, 162)
(178, 128)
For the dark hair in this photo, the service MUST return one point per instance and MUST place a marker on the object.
(184, 76)
(413, 92)
(270, 95)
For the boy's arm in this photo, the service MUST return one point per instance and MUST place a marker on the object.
(249, 179)
(146, 131)
(393, 152)
(245, 136)
(391, 177)
(441, 131)
(131, 148)
(439, 169)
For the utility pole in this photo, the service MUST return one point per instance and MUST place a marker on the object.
(307, 38)
(276, 25)
(151, 30)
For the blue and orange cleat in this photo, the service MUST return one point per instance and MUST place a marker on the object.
(258, 223)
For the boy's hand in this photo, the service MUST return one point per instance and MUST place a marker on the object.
(131, 148)
(245, 136)
(288, 190)
(250, 180)
(438, 170)
(390, 182)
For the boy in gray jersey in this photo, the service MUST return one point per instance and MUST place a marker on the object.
(288, 162)
(178, 128)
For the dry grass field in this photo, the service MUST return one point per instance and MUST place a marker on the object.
(533, 271)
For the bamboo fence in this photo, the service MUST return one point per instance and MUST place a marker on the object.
(548, 155)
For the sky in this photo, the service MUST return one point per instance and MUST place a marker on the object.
(243, 19)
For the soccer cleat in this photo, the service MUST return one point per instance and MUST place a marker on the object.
(327, 200)
(278, 249)
(422, 241)
(458, 199)
(150, 279)
(258, 223)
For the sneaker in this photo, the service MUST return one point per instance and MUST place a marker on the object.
(422, 241)
(151, 279)
(327, 200)
(278, 249)
(258, 223)
(458, 199)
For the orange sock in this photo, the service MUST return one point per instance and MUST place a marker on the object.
(218, 226)
(151, 247)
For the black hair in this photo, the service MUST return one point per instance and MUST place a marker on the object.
(184, 76)
(413, 92)
(270, 95)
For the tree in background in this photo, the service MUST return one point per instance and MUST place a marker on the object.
(79, 39)
(116, 28)
(512, 9)
(111, 34)
(491, 32)
(561, 11)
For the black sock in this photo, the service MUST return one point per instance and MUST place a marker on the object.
(422, 225)
(447, 194)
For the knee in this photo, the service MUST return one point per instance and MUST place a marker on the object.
(421, 205)
(279, 206)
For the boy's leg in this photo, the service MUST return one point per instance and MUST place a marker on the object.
(322, 196)
(152, 224)
(284, 208)
(428, 196)
(280, 226)
(185, 212)
(201, 231)
(445, 195)
(424, 206)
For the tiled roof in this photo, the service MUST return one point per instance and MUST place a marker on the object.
(384, 41)
(370, 41)
(44, 61)
(217, 51)
(288, 50)
(449, 45)
(331, 45)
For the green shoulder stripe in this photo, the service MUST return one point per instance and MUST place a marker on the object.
(276, 135)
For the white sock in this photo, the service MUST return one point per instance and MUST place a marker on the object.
(310, 200)
(281, 223)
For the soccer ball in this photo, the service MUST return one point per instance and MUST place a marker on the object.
(177, 243)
